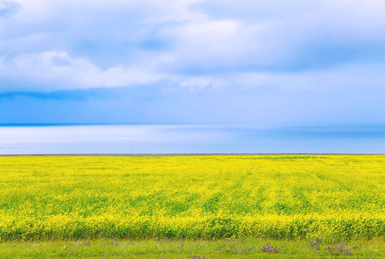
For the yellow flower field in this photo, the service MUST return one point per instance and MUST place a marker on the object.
(284, 196)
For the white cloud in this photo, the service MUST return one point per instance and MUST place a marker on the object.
(68, 44)
(53, 71)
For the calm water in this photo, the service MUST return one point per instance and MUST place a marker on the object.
(123, 139)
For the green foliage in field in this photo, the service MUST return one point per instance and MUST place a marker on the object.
(191, 249)
(329, 197)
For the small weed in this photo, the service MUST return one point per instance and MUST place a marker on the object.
(270, 249)
(341, 249)
(316, 244)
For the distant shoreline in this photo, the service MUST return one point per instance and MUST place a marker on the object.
(196, 154)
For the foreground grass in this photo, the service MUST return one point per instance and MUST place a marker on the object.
(226, 248)
(336, 198)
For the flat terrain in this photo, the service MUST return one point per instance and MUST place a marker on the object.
(191, 249)
(302, 198)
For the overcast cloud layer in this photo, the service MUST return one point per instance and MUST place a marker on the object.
(233, 61)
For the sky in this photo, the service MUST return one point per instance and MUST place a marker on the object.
(284, 62)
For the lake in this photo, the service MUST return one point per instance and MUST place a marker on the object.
(150, 139)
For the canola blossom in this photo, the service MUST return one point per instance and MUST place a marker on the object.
(336, 197)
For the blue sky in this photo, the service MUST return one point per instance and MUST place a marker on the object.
(293, 62)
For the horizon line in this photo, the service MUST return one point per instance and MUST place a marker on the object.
(190, 154)
(191, 123)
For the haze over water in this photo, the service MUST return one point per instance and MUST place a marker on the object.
(135, 139)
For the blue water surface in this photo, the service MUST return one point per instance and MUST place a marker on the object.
(159, 139)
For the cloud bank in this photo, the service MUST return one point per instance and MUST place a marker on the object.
(305, 46)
